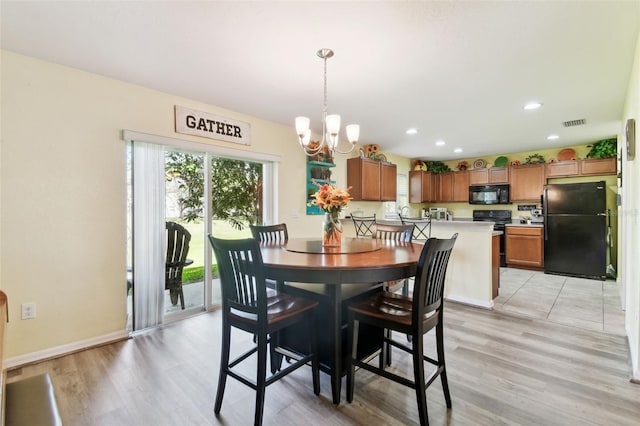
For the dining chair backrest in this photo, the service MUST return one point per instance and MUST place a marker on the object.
(270, 233)
(422, 227)
(178, 239)
(364, 225)
(430, 276)
(400, 233)
(241, 276)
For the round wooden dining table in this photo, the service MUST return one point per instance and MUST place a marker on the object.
(336, 275)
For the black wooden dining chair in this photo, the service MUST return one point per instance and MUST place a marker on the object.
(415, 316)
(398, 233)
(178, 239)
(422, 227)
(270, 233)
(246, 306)
(364, 225)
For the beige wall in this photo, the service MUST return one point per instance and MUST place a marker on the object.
(63, 194)
(630, 220)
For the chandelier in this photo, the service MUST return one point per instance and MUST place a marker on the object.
(330, 124)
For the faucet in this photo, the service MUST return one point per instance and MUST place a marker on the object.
(402, 211)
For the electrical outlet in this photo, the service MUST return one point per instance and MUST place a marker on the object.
(28, 310)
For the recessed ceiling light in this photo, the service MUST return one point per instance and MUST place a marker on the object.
(440, 143)
(412, 131)
(532, 105)
(553, 137)
(457, 150)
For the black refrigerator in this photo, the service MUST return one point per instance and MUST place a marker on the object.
(575, 229)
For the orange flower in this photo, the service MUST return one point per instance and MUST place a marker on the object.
(329, 198)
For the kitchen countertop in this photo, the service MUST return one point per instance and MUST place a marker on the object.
(529, 225)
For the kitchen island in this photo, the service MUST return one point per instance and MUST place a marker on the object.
(471, 276)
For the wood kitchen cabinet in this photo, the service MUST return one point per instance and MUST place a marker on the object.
(524, 246)
(445, 186)
(422, 186)
(598, 166)
(489, 176)
(586, 167)
(527, 182)
(453, 187)
(461, 186)
(388, 181)
(371, 180)
(563, 169)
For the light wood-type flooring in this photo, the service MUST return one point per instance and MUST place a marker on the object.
(503, 368)
(578, 302)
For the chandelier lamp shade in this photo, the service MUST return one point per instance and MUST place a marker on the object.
(330, 124)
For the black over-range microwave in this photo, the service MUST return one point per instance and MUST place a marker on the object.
(489, 194)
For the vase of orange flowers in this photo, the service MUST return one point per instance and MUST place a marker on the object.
(331, 200)
(331, 230)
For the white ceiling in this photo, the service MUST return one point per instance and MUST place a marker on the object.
(456, 71)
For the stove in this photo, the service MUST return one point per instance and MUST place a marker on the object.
(499, 218)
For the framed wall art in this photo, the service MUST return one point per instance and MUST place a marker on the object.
(630, 138)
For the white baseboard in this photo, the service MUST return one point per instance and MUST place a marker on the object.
(64, 349)
(468, 301)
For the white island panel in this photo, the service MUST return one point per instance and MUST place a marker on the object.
(469, 275)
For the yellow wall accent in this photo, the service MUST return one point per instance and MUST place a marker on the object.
(581, 152)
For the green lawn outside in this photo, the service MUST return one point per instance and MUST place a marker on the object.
(221, 229)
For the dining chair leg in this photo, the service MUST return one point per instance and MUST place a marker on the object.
(181, 294)
(405, 292)
(443, 374)
(385, 353)
(274, 357)
(418, 373)
(351, 368)
(313, 349)
(224, 363)
(261, 377)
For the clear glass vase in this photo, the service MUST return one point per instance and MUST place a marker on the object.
(331, 230)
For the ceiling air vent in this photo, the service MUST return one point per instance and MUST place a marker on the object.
(572, 123)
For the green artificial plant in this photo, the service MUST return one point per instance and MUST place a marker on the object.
(437, 167)
(605, 148)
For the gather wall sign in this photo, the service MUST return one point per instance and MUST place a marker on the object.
(199, 123)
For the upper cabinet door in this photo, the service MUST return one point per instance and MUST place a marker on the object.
(445, 187)
(388, 181)
(478, 177)
(461, 186)
(527, 182)
(499, 175)
(421, 186)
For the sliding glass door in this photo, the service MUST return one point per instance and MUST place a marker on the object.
(184, 197)
(196, 193)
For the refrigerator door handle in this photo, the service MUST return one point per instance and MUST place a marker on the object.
(544, 213)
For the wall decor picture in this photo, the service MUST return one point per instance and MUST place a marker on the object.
(631, 139)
